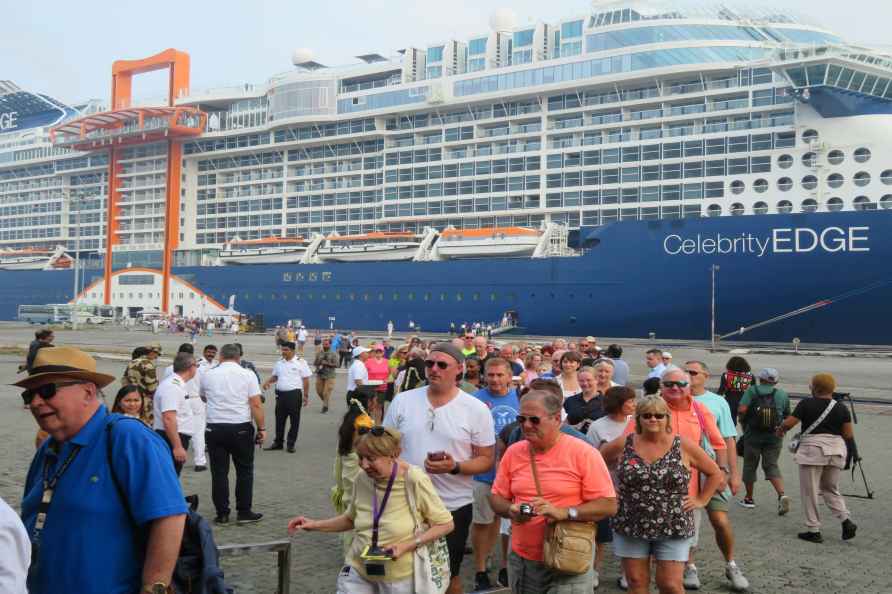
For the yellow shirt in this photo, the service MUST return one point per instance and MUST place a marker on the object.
(396, 524)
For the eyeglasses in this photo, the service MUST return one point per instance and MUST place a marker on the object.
(522, 419)
(679, 384)
(649, 416)
(46, 391)
(431, 417)
(377, 430)
(440, 364)
(692, 372)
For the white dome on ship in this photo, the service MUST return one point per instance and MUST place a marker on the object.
(302, 56)
(503, 19)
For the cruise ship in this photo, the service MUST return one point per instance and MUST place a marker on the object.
(651, 133)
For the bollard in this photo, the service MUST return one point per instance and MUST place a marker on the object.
(282, 548)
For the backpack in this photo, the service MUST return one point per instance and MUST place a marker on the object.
(197, 569)
(764, 415)
(736, 381)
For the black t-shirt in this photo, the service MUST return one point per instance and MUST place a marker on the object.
(809, 409)
(579, 411)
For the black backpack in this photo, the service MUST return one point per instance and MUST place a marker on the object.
(764, 415)
(197, 570)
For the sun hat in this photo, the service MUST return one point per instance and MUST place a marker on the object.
(54, 363)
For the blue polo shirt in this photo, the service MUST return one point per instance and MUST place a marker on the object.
(504, 410)
(87, 545)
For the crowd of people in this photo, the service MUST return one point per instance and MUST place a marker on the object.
(542, 457)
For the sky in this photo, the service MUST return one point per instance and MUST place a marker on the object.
(66, 49)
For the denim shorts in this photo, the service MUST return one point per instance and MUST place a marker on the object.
(669, 549)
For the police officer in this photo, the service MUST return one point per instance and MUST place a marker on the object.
(292, 378)
(142, 372)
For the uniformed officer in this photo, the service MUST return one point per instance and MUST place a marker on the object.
(142, 372)
(173, 411)
(292, 378)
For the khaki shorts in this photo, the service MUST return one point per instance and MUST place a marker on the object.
(324, 386)
(483, 512)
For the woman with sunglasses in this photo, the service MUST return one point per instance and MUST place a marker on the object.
(655, 517)
(130, 401)
(380, 558)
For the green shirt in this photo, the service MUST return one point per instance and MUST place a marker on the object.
(750, 397)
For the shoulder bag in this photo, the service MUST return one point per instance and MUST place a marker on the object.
(568, 546)
(431, 572)
(794, 442)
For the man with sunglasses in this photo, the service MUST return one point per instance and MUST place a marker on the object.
(450, 434)
(75, 503)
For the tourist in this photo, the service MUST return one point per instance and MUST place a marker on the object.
(381, 555)
(555, 370)
(233, 401)
(481, 349)
(281, 335)
(531, 365)
(130, 402)
(172, 410)
(619, 406)
(762, 410)
(291, 375)
(245, 363)
(717, 507)
(346, 466)
(734, 382)
(653, 358)
(62, 392)
(326, 363)
(503, 404)
(301, 339)
(449, 433)
(357, 375)
(655, 475)
(378, 370)
(345, 352)
(667, 358)
(548, 477)
(567, 379)
(826, 425)
(389, 328)
(42, 338)
(473, 376)
(588, 405)
(620, 368)
(509, 353)
(15, 550)
(413, 373)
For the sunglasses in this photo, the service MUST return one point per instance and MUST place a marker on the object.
(522, 419)
(692, 372)
(440, 364)
(377, 430)
(649, 416)
(46, 391)
(678, 384)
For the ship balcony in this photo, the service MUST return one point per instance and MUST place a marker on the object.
(135, 125)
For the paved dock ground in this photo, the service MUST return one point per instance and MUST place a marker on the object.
(290, 484)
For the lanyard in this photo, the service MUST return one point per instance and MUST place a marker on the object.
(376, 511)
(49, 488)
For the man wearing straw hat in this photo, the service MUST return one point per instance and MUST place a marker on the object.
(102, 504)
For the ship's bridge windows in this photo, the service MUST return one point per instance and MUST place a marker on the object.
(863, 203)
(737, 209)
(862, 155)
(809, 182)
(760, 208)
(835, 157)
(760, 186)
(714, 210)
(784, 207)
(886, 202)
(810, 136)
(809, 205)
(784, 184)
(861, 179)
(835, 180)
(835, 204)
(737, 187)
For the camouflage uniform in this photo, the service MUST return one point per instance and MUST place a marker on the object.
(143, 373)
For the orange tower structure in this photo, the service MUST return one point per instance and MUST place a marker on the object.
(124, 126)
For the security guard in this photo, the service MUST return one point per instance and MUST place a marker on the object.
(292, 378)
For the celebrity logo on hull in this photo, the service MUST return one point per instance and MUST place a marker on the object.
(794, 240)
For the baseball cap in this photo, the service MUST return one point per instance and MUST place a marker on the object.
(448, 349)
(357, 351)
(769, 374)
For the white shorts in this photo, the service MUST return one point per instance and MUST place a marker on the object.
(351, 581)
(483, 512)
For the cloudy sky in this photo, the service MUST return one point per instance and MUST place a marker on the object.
(66, 48)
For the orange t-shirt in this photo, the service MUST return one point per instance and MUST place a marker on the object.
(571, 473)
(686, 424)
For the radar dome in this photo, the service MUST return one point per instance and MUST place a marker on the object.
(503, 19)
(302, 56)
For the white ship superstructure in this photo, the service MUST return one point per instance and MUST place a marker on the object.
(635, 110)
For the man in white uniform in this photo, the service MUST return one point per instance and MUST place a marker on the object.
(358, 374)
(15, 551)
(173, 411)
(451, 435)
(292, 378)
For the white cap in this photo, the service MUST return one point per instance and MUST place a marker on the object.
(357, 351)
(667, 355)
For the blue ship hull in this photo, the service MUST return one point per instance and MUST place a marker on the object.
(636, 278)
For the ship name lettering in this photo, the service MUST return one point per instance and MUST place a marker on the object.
(9, 120)
(831, 239)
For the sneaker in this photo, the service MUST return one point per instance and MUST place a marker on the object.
(691, 579)
(481, 581)
(291, 449)
(739, 583)
(275, 446)
(747, 502)
(783, 505)
(221, 519)
(848, 529)
(248, 517)
(622, 583)
(814, 537)
(596, 581)
(503, 577)
(324, 409)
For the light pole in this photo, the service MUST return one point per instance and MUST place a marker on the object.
(713, 269)
(77, 258)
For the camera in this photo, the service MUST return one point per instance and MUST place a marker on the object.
(527, 510)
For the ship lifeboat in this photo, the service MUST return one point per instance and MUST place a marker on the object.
(369, 247)
(269, 250)
(510, 242)
(34, 259)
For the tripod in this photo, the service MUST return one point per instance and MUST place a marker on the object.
(853, 458)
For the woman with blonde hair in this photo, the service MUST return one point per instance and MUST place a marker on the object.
(395, 511)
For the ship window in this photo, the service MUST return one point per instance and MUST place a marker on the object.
(760, 208)
(834, 204)
(410, 296)
(286, 277)
(886, 202)
(810, 136)
(309, 296)
(737, 209)
(862, 155)
(784, 207)
(352, 296)
(835, 157)
(297, 296)
(737, 187)
(492, 296)
(459, 296)
(760, 185)
(442, 296)
(809, 205)
(475, 296)
(784, 184)
(337, 296)
(427, 296)
(395, 297)
(380, 296)
(809, 182)
(835, 180)
(861, 179)
(713, 210)
(810, 159)
(863, 203)
(886, 177)
(785, 161)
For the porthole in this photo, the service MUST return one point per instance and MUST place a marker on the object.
(809, 205)
(835, 180)
(784, 207)
(835, 157)
(809, 182)
(863, 203)
(737, 209)
(809, 136)
(886, 177)
(760, 208)
(760, 186)
(835, 204)
(862, 155)
(886, 202)
(861, 179)
(785, 161)
(810, 159)
(713, 210)
(784, 184)
(737, 187)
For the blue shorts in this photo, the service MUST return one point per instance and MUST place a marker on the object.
(669, 549)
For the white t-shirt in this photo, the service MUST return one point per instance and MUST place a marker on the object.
(290, 374)
(193, 386)
(605, 430)
(357, 371)
(457, 426)
(227, 388)
(173, 395)
(15, 551)
(301, 335)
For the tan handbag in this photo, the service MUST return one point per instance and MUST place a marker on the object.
(569, 547)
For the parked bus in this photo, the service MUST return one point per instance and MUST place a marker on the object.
(61, 313)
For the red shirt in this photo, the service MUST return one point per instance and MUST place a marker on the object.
(379, 369)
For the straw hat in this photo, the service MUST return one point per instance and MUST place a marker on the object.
(55, 363)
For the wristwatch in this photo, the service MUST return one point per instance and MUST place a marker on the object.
(156, 588)
(456, 469)
(572, 513)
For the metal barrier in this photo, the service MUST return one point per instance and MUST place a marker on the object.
(281, 547)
